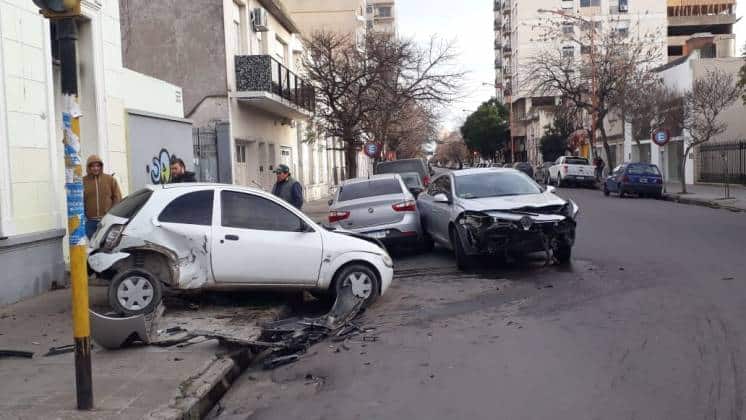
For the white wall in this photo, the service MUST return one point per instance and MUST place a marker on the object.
(145, 93)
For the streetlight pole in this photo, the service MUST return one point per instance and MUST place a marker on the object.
(594, 70)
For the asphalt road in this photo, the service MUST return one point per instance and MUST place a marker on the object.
(648, 322)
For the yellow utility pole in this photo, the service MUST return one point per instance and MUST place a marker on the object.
(64, 13)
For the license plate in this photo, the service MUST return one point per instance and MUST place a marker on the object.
(643, 180)
(378, 235)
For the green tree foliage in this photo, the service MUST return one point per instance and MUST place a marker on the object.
(486, 129)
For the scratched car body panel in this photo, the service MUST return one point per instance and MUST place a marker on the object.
(208, 236)
(492, 211)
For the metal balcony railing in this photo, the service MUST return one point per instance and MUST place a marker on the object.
(265, 74)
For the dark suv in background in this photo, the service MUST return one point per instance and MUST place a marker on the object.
(406, 165)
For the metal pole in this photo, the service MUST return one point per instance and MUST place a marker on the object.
(67, 35)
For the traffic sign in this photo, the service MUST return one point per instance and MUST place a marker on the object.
(661, 137)
(372, 150)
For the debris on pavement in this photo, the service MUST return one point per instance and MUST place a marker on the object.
(54, 351)
(16, 353)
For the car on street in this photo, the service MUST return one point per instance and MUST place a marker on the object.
(643, 179)
(380, 207)
(496, 212)
(571, 170)
(406, 165)
(413, 182)
(541, 173)
(210, 236)
(524, 167)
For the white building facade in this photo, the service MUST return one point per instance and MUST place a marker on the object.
(33, 218)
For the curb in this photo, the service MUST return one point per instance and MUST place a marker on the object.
(701, 202)
(199, 393)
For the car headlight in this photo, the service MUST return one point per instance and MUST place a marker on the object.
(387, 260)
(570, 210)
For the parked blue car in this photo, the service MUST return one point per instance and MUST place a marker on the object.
(643, 179)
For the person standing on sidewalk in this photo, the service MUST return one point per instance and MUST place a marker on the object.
(287, 187)
(179, 173)
(100, 194)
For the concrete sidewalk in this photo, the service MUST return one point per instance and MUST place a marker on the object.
(136, 382)
(709, 195)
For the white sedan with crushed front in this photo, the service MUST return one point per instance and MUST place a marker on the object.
(208, 236)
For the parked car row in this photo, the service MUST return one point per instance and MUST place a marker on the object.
(479, 211)
(643, 179)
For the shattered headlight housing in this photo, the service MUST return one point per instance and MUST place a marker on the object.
(475, 219)
(570, 210)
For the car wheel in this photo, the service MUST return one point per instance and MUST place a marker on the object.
(658, 195)
(134, 292)
(563, 254)
(362, 279)
(621, 192)
(606, 190)
(559, 181)
(464, 262)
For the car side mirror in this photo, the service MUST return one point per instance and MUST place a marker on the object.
(441, 198)
(551, 188)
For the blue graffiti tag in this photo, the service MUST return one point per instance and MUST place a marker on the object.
(160, 169)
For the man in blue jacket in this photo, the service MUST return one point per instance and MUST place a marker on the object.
(287, 187)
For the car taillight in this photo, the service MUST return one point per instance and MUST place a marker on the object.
(426, 181)
(409, 205)
(113, 236)
(564, 169)
(625, 178)
(336, 216)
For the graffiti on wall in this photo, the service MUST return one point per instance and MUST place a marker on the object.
(160, 168)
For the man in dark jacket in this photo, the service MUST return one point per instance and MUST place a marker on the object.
(287, 187)
(179, 172)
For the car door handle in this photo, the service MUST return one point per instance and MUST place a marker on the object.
(231, 237)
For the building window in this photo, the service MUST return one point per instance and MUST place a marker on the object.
(567, 28)
(369, 24)
(240, 153)
(568, 51)
(585, 49)
(369, 9)
(237, 29)
(623, 6)
(281, 51)
(384, 11)
(590, 3)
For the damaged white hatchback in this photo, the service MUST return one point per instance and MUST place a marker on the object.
(209, 236)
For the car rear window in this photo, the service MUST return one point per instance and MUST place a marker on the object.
(576, 161)
(643, 170)
(369, 189)
(131, 204)
(400, 166)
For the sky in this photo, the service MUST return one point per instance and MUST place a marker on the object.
(470, 24)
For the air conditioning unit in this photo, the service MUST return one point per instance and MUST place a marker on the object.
(259, 20)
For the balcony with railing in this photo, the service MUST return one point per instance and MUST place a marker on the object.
(266, 83)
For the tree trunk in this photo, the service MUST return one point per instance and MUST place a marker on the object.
(610, 164)
(350, 158)
(682, 168)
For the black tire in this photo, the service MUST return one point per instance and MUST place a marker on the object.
(658, 195)
(563, 254)
(606, 191)
(464, 262)
(621, 192)
(559, 181)
(145, 292)
(373, 283)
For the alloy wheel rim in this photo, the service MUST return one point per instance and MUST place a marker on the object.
(361, 283)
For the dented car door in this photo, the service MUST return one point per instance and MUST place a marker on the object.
(257, 240)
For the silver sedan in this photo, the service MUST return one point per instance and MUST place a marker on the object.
(491, 211)
(380, 207)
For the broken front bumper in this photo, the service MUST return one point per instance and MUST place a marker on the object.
(496, 234)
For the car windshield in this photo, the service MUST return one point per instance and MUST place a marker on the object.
(495, 184)
(643, 170)
(131, 204)
(399, 166)
(370, 188)
(576, 161)
(411, 179)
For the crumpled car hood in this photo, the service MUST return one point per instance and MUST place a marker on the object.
(513, 202)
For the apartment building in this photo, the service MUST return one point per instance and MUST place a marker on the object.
(381, 16)
(239, 63)
(33, 210)
(516, 42)
(687, 18)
